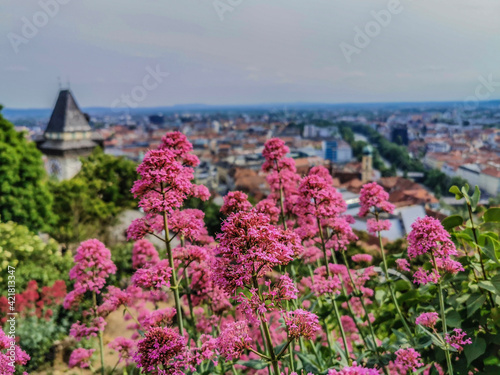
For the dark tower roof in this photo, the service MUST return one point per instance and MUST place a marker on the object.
(66, 116)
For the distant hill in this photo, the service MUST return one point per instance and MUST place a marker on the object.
(14, 114)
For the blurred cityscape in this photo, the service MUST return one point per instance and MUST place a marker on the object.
(415, 150)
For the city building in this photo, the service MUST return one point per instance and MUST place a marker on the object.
(337, 151)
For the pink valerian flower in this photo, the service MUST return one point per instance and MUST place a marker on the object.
(302, 323)
(319, 199)
(161, 351)
(165, 182)
(354, 370)
(187, 254)
(408, 359)
(342, 233)
(373, 196)
(427, 319)
(113, 299)
(233, 340)
(179, 145)
(457, 339)
(362, 258)
(322, 284)
(252, 306)
(311, 253)
(274, 150)
(125, 348)
(375, 226)
(188, 223)
(249, 243)
(235, 201)
(207, 351)
(429, 236)
(422, 276)
(156, 276)
(158, 318)
(82, 331)
(144, 254)
(80, 358)
(93, 265)
(268, 207)
(149, 224)
(72, 299)
(286, 288)
(283, 175)
(322, 172)
(403, 265)
(448, 265)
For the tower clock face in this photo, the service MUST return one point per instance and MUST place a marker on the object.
(55, 168)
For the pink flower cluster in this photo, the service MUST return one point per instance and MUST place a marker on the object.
(233, 340)
(80, 358)
(166, 175)
(355, 369)
(457, 340)
(161, 351)
(429, 237)
(302, 323)
(235, 201)
(374, 197)
(144, 254)
(428, 320)
(250, 246)
(93, 265)
(125, 348)
(408, 360)
(156, 276)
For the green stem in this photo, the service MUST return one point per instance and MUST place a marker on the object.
(99, 334)
(391, 290)
(474, 232)
(267, 333)
(357, 292)
(281, 198)
(334, 302)
(445, 328)
(174, 276)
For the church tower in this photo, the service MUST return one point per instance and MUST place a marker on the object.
(68, 137)
(367, 164)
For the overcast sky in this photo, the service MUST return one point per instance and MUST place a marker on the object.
(254, 51)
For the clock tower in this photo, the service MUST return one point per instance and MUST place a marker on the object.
(67, 138)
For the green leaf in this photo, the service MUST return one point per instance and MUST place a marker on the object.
(455, 190)
(453, 319)
(492, 215)
(475, 350)
(489, 248)
(487, 285)
(475, 198)
(253, 363)
(465, 193)
(474, 303)
(495, 280)
(402, 285)
(452, 221)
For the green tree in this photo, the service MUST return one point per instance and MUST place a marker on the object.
(33, 258)
(24, 194)
(88, 204)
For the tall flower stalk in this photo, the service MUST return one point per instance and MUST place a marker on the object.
(374, 200)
